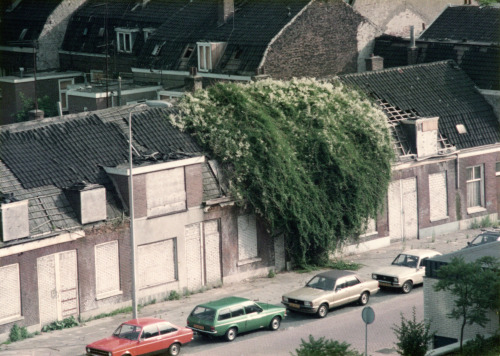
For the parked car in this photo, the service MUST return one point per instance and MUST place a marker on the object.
(485, 237)
(330, 289)
(229, 316)
(406, 270)
(142, 336)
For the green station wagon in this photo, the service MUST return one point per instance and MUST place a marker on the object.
(232, 315)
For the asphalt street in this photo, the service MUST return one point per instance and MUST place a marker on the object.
(72, 341)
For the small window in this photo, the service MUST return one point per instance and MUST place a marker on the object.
(238, 311)
(224, 314)
(101, 32)
(475, 187)
(352, 281)
(341, 285)
(461, 129)
(253, 308)
(23, 33)
(125, 38)
(189, 51)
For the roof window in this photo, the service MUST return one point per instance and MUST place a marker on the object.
(461, 129)
(189, 51)
(101, 32)
(23, 34)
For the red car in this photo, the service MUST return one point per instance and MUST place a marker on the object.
(142, 336)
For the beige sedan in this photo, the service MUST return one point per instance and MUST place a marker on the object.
(330, 289)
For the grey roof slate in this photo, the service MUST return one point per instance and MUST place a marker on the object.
(435, 89)
(40, 159)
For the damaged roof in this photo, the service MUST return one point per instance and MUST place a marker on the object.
(436, 89)
(41, 159)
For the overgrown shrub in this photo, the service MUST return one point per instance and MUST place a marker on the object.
(18, 333)
(312, 159)
(322, 347)
(174, 295)
(481, 346)
(61, 324)
(413, 337)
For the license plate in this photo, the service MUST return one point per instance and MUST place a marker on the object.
(293, 305)
(201, 327)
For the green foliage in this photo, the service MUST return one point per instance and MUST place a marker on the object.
(61, 324)
(174, 295)
(18, 333)
(312, 159)
(484, 222)
(44, 103)
(488, 2)
(271, 274)
(322, 347)
(113, 313)
(413, 337)
(475, 287)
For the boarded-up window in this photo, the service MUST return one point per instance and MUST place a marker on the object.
(10, 293)
(166, 192)
(157, 263)
(107, 269)
(438, 197)
(247, 237)
(370, 228)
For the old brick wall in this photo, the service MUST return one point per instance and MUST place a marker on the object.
(322, 41)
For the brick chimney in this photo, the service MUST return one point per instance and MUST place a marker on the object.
(374, 63)
(193, 82)
(36, 114)
(225, 10)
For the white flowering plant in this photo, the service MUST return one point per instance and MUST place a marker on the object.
(312, 158)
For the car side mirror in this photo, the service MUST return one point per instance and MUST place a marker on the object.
(468, 243)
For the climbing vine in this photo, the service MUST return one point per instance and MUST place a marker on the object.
(311, 158)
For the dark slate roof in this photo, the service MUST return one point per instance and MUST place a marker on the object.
(435, 89)
(468, 35)
(471, 254)
(249, 31)
(83, 31)
(470, 23)
(28, 14)
(39, 159)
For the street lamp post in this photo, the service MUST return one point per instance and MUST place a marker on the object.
(151, 103)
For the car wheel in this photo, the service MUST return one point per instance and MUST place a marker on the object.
(407, 287)
(174, 349)
(322, 311)
(275, 323)
(364, 298)
(231, 334)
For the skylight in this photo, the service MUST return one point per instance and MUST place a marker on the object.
(461, 129)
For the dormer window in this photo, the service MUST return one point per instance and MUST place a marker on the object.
(209, 54)
(147, 32)
(125, 38)
(101, 32)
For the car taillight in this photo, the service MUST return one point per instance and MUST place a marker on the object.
(212, 328)
(187, 321)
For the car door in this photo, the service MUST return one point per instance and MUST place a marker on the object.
(168, 333)
(239, 318)
(341, 293)
(255, 317)
(419, 274)
(150, 340)
(353, 288)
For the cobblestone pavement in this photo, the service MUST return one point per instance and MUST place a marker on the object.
(70, 341)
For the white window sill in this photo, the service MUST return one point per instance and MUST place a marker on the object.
(108, 294)
(248, 261)
(11, 319)
(440, 218)
(475, 209)
(373, 233)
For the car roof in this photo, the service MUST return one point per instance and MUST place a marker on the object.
(422, 252)
(224, 302)
(336, 273)
(144, 321)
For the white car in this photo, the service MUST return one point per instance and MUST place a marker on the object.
(406, 270)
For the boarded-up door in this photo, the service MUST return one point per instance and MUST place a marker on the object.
(203, 254)
(57, 286)
(403, 214)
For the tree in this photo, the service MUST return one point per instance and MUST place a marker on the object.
(44, 103)
(474, 287)
(312, 159)
(322, 347)
(413, 337)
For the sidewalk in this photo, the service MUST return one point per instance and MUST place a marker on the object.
(70, 341)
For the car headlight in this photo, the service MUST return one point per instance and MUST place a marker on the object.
(396, 280)
(308, 304)
(374, 276)
(285, 299)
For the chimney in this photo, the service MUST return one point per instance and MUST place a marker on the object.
(374, 63)
(225, 10)
(423, 135)
(35, 114)
(88, 201)
(412, 49)
(193, 82)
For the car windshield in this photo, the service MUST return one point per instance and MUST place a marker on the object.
(203, 313)
(406, 260)
(320, 282)
(127, 331)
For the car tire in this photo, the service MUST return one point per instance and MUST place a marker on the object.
(407, 287)
(275, 323)
(322, 311)
(174, 349)
(231, 334)
(364, 298)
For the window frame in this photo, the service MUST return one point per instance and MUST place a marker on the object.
(475, 180)
(125, 36)
(205, 60)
